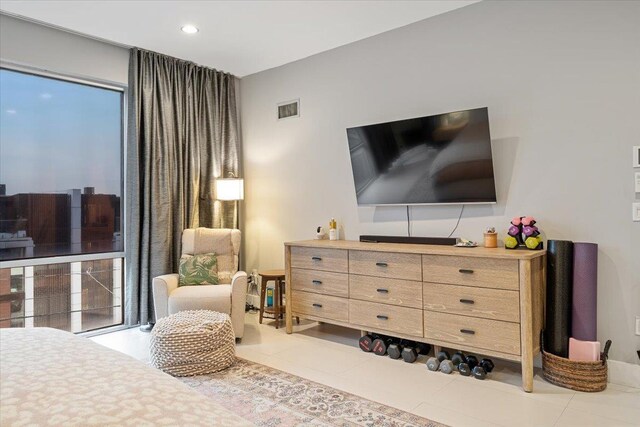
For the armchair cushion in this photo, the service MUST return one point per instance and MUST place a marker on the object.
(213, 297)
(224, 242)
(200, 269)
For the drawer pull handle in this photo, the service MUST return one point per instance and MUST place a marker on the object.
(317, 282)
(382, 317)
(317, 305)
(467, 301)
(381, 264)
(465, 271)
(468, 331)
(316, 258)
(382, 290)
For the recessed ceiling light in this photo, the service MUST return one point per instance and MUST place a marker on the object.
(189, 29)
(10, 111)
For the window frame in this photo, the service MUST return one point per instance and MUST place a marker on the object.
(57, 259)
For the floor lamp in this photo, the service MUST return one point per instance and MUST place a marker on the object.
(232, 189)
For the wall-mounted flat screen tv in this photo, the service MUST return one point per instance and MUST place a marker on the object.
(438, 159)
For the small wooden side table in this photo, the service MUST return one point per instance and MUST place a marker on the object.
(278, 309)
(276, 276)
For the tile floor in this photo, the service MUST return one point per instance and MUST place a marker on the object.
(330, 355)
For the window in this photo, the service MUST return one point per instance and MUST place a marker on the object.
(61, 187)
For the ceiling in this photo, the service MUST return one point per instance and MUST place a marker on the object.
(240, 37)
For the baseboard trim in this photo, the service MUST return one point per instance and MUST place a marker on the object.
(623, 373)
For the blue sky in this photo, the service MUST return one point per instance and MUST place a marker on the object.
(57, 135)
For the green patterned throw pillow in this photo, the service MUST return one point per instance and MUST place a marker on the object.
(199, 269)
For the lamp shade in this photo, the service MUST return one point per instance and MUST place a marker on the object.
(230, 189)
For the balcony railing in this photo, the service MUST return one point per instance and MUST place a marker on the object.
(76, 294)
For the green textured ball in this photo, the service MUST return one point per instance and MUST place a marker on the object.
(510, 242)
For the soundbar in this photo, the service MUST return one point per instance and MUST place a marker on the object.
(443, 241)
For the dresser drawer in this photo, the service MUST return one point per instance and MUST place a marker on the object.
(320, 259)
(471, 331)
(322, 282)
(496, 304)
(327, 307)
(468, 271)
(406, 293)
(402, 320)
(386, 264)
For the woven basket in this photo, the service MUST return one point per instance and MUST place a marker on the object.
(576, 375)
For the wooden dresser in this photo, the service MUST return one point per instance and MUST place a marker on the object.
(479, 300)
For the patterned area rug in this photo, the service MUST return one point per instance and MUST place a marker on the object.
(266, 396)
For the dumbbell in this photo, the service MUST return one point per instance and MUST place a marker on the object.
(395, 350)
(433, 364)
(446, 367)
(457, 358)
(467, 366)
(423, 348)
(480, 372)
(380, 345)
(366, 343)
(410, 352)
(443, 355)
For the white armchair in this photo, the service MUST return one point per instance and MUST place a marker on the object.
(227, 297)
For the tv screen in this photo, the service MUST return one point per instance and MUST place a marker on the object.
(427, 160)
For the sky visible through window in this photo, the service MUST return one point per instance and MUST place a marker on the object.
(56, 135)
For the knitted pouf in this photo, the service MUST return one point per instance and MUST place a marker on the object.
(193, 343)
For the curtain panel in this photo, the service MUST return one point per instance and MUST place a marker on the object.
(182, 134)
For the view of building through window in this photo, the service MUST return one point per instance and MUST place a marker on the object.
(61, 174)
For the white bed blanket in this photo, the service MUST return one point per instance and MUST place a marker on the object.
(51, 377)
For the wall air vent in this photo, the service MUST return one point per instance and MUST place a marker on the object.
(289, 109)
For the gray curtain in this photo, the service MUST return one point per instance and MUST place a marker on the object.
(182, 133)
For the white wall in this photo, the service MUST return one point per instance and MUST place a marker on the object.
(562, 83)
(35, 45)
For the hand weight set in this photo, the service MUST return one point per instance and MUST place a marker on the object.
(466, 365)
(394, 347)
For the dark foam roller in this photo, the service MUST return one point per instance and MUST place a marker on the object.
(585, 292)
(559, 284)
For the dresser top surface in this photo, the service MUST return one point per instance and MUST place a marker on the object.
(480, 252)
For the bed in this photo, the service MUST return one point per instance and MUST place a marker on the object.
(51, 377)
